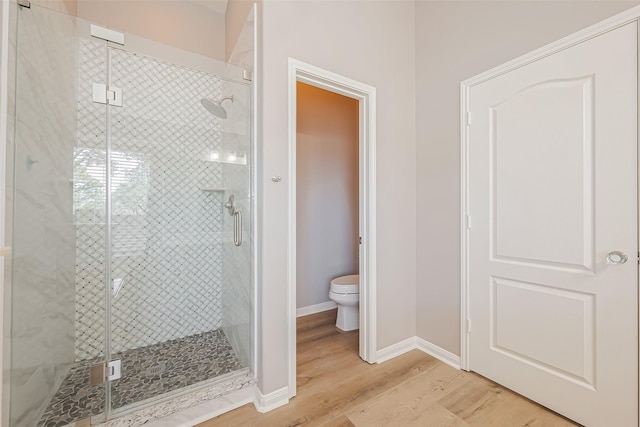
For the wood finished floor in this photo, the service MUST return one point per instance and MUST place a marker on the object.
(337, 389)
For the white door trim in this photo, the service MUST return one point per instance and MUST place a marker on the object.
(366, 96)
(595, 30)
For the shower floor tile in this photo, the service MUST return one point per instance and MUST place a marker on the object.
(146, 372)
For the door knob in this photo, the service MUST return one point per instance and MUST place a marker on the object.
(617, 257)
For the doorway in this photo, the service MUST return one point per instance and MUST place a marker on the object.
(327, 208)
(365, 95)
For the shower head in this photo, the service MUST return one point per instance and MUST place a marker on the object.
(215, 106)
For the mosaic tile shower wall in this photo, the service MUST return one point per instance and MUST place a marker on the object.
(166, 244)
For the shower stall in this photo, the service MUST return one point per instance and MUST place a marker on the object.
(131, 274)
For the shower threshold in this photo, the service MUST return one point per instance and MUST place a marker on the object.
(147, 372)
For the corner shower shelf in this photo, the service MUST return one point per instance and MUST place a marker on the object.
(213, 190)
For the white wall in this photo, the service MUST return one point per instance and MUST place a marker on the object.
(182, 24)
(65, 6)
(455, 41)
(235, 20)
(187, 25)
(372, 42)
(327, 191)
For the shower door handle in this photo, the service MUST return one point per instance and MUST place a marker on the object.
(237, 228)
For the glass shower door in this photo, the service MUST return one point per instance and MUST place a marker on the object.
(173, 167)
(126, 246)
(58, 279)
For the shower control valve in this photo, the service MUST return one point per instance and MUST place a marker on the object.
(277, 178)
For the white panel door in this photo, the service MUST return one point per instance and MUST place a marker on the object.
(553, 191)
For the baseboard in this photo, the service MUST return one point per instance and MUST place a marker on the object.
(268, 402)
(438, 352)
(417, 343)
(316, 308)
(396, 350)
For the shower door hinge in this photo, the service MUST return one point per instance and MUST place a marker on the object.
(104, 372)
(247, 75)
(104, 94)
(468, 117)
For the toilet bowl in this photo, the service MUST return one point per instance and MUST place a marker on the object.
(345, 291)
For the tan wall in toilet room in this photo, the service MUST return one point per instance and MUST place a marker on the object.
(327, 191)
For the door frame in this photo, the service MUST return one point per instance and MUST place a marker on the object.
(366, 97)
(626, 17)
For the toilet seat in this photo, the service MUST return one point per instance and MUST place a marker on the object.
(346, 284)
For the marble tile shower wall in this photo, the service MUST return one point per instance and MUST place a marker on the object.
(236, 294)
(166, 244)
(43, 238)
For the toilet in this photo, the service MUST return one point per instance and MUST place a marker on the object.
(345, 291)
